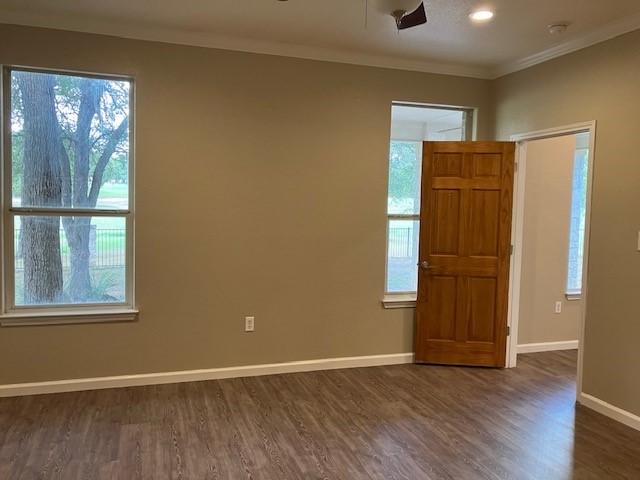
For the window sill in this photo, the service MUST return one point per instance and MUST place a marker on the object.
(68, 317)
(573, 296)
(404, 300)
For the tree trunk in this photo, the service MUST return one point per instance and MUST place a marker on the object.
(42, 261)
(41, 187)
(80, 280)
(78, 232)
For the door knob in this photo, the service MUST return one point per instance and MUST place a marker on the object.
(424, 265)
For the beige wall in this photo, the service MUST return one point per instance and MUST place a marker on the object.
(599, 83)
(261, 190)
(545, 244)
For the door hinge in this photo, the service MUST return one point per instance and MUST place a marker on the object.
(508, 331)
(512, 249)
(515, 166)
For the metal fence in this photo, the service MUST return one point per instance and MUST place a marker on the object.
(107, 248)
(400, 242)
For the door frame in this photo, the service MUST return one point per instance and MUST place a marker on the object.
(517, 233)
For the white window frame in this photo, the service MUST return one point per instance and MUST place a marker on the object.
(13, 315)
(393, 300)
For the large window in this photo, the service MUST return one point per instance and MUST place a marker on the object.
(578, 215)
(67, 193)
(410, 126)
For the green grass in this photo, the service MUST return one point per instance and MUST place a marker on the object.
(107, 191)
(109, 223)
(114, 190)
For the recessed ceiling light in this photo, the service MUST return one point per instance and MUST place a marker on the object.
(481, 15)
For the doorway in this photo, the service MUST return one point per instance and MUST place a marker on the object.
(552, 198)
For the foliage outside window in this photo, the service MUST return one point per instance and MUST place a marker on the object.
(68, 220)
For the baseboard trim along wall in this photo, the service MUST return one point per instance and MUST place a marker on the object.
(609, 410)
(548, 346)
(80, 384)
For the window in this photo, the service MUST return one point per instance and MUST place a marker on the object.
(578, 215)
(67, 193)
(410, 126)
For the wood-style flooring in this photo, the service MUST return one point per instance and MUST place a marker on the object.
(397, 422)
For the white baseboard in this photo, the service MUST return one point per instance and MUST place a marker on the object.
(611, 411)
(548, 346)
(75, 385)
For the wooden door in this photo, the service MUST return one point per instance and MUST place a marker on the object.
(465, 249)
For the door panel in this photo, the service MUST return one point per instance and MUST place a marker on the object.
(447, 165)
(445, 222)
(482, 301)
(487, 165)
(442, 287)
(484, 219)
(465, 251)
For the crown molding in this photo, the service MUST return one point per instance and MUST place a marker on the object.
(152, 33)
(208, 40)
(602, 34)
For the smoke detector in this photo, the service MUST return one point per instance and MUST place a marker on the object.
(558, 28)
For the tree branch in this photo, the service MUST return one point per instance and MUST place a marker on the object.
(86, 112)
(109, 149)
(65, 169)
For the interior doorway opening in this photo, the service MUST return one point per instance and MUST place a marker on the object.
(552, 199)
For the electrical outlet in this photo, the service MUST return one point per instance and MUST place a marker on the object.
(249, 324)
(558, 307)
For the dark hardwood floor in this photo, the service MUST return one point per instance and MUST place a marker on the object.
(399, 422)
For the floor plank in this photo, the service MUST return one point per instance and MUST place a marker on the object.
(398, 422)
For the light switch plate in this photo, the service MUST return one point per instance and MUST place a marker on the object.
(558, 307)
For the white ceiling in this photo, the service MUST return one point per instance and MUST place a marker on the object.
(335, 29)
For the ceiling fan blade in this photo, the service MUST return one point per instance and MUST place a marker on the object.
(413, 19)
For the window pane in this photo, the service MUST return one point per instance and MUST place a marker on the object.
(402, 256)
(67, 260)
(404, 177)
(69, 141)
(410, 126)
(578, 217)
